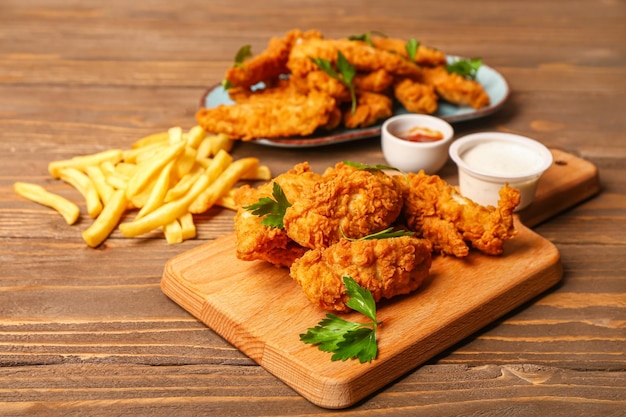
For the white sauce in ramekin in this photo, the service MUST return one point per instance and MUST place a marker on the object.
(499, 158)
(489, 160)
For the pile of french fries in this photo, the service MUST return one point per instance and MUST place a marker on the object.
(166, 177)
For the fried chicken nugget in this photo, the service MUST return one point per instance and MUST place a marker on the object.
(425, 56)
(386, 267)
(415, 96)
(270, 63)
(346, 201)
(456, 89)
(437, 212)
(370, 108)
(256, 241)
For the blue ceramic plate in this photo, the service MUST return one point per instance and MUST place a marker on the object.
(492, 81)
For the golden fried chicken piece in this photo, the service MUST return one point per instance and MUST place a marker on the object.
(322, 82)
(346, 201)
(270, 63)
(363, 57)
(370, 108)
(425, 56)
(437, 212)
(377, 81)
(456, 89)
(256, 241)
(386, 267)
(270, 115)
(415, 96)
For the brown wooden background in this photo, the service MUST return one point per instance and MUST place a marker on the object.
(89, 332)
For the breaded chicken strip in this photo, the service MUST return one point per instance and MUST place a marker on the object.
(270, 63)
(386, 267)
(256, 241)
(346, 201)
(270, 115)
(376, 81)
(437, 212)
(363, 57)
(415, 96)
(370, 108)
(425, 55)
(456, 89)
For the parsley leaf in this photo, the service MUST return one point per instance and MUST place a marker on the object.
(359, 165)
(272, 210)
(383, 234)
(346, 73)
(367, 37)
(346, 339)
(467, 68)
(242, 54)
(411, 48)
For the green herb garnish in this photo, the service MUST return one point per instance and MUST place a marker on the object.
(272, 211)
(411, 48)
(347, 339)
(242, 54)
(367, 37)
(467, 68)
(345, 75)
(383, 234)
(359, 165)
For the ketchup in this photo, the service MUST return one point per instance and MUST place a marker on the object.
(421, 134)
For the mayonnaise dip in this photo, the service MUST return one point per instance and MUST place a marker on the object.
(502, 158)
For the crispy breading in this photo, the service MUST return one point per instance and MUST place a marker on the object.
(370, 108)
(269, 64)
(377, 81)
(415, 96)
(363, 57)
(456, 89)
(270, 116)
(425, 55)
(386, 267)
(346, 201)
(256, 241)
(438, 212)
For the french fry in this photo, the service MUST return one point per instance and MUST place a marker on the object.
(188, 226)
(40, 195)
(205, 148)
(106, 222)
(80, 162)
(185, 162)
(158, 192)
(136, 155)
(195, 135)
(221, 141)
(261, 173)
(223, 183)
(173, 232)
(104, 189)
(147, 170)
(184, 184)
(85, 186)
(227, 201)
(168, 212)
(161, 137)
(175, 134)
(166, 176)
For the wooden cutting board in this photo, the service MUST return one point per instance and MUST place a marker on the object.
(261, 310)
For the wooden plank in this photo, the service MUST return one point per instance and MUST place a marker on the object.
(462, 296)
(233, 297)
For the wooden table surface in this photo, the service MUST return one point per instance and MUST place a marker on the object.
(89, 332)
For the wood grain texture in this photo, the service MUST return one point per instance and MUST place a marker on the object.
(89, 332)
